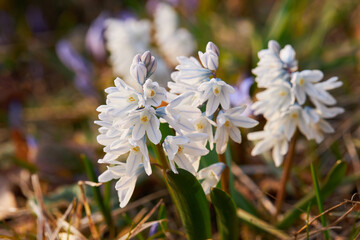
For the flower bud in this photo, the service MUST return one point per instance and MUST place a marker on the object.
(151, 67)
(212, 47)
(138, 72)
(146, 58)
(209, 60)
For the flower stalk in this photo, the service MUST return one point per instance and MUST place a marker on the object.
(225, 176)
(285, 175)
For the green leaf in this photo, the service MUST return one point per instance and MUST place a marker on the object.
(334, 178)
(260, 224)
(191, 204)
(225, 213)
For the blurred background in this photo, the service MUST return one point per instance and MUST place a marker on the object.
(57, 57)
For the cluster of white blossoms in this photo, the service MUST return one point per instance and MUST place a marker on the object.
(197, 84)
(125, 38)
(284, 101)
(131, 118)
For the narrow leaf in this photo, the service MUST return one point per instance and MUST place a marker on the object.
(332, 181)
(225, 214)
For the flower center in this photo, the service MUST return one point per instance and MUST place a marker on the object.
(301, 81)
(282, 93)
(131, 98)
(136, 149)
(216, 90)
(144, 119)
(199, 126)
(180, 148)
(227, 123)
(294, 115)
(150, 93)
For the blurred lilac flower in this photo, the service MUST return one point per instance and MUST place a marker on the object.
(153, 230)
(189, 5)
(7, 27)
(36, 20)
(94, 40)
(15, 114)
(242, 94)
(78, 64)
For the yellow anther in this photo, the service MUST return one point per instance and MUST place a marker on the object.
(199, 126)
(131, 99)
(227, 123)
(283, 93)
(152, 93)
(301, 81)
(144, 119)
(180, 149)
(136, 149)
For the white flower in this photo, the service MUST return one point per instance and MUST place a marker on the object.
(126, 184)
(210, 176)
(270, 140)
(184, 150)
(179, 113)
(276, 98)
(190, 71)
(138, 70)
(153, 93)
(275, 65)
(215, 92)
(123, 98)
(204, 124)
(290, 119)
(227, 125)
(143, 120)
(304, 83)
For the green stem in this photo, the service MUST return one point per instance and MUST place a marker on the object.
(225, 174)
(162, 157)
(318, 199)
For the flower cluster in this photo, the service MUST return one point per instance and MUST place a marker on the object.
(197, 84)
(284, 101)
(131, 118)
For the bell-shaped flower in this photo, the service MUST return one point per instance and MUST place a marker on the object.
(210, 176)
(126, 183)
(210, 46)
(290, 119)
(304, 83)
(190, 71)
(149, 62)
(204, 124)
(153, 93)
(227, 125)
(179, 113)
(276, 98)
(123, 98)
(184, 150)
(215, 92)
(274, 140)
(143, 120)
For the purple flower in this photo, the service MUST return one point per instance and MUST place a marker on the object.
(78, 64)
(153, 229)
(15, 114)
(242, 94)
(94, 40)
(36, 20)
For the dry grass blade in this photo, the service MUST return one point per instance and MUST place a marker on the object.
(92, 184)
(92, 226)
(72, 229)
(63, 217)
(141, 228)
(246, 181)
(316, 217)
(142, 222)
(97, 217)
(315, 232)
